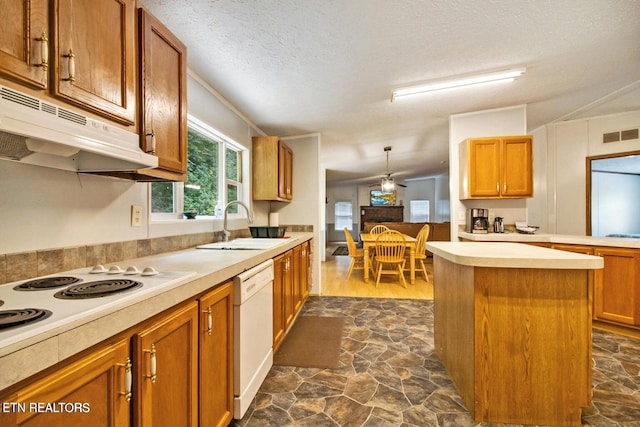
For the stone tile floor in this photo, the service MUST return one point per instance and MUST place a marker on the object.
(390, 376)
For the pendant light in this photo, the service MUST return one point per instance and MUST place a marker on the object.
(387, 185)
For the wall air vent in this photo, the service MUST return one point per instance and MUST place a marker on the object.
(610, 137)
(622, 135)
(626, 135)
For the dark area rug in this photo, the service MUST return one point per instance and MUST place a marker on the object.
(312, 342)
(341, 250)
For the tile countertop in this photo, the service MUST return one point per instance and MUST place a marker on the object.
(620, 242)
(211, 267)
(512, 255)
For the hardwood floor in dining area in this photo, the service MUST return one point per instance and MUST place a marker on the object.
(335, 283)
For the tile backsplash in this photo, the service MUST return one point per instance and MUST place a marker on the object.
(26, 265)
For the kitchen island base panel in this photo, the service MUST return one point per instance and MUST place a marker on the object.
(516, 342)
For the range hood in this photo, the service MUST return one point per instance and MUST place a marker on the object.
(46, 133)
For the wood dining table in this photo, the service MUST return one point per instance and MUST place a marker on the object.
(369, 241)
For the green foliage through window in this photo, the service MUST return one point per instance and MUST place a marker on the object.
(201, 188)
(206, 190)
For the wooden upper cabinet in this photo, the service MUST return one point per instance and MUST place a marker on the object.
(93, 58)
(496, 167)
(163, 99)
(517, 167)
(24, 41)
(272, 166)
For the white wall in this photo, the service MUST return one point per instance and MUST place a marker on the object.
(46, 208)
(568, 144)
(307, 206)
(503, 121)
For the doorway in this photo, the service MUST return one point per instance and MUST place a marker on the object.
(613, 195)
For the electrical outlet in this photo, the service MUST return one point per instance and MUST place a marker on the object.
(136, 216)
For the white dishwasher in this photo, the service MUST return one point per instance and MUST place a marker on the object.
(253, 333)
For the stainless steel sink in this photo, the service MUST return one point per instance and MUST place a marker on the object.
(245, 244)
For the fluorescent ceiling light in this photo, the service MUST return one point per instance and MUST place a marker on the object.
(501, 76)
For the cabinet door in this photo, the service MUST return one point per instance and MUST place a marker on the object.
(285, 171)
(484, 167)
(163, 98)
(166, 367)
(297, 278)
(24, 41)
(517, 169)
(278, 296)
(91, 390)
(301, 267)
(282, 297)
(289, 303)
(305, 278)
(617, 286)
(216, 356)
(93, 58)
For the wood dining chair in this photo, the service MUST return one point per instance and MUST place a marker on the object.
(421, 249)
(390, 249)
(357, 255)
(377, 229)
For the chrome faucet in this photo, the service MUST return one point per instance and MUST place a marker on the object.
(227, 233)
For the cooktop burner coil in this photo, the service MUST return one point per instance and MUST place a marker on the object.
(98, 289)
(11, 318)
(47, 283)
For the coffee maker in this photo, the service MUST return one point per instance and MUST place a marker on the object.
(477, 221)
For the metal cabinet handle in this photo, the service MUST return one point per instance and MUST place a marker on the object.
(44, 51)
(152, 364)
(128, 380)
(505, 188)
(151, 141)
(72, 66)
(209, 320)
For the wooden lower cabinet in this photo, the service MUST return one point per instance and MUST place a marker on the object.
(301, 271)
(291, 285)
(282, 296)
(617, 286)
(166, 370)
(88, 392)
(216, 356)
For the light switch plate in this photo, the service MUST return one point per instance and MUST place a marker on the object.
(136, 216)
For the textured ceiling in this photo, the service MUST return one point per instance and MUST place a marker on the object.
(297, 67)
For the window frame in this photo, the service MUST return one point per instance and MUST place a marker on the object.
(224, 143)
(411, 209)
(336, 216)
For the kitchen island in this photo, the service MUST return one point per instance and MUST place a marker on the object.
(512, 326)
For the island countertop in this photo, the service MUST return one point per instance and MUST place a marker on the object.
(570, 239)
(512, 255)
